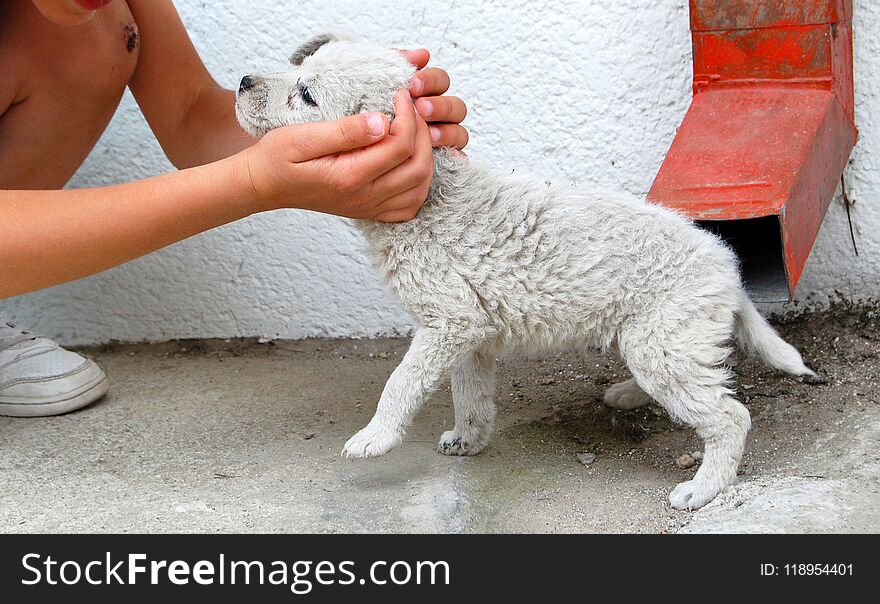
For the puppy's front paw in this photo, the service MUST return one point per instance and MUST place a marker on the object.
(693, 494)
(453, 443)
(372, 441)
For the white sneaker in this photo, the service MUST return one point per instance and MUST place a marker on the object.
(39, 378)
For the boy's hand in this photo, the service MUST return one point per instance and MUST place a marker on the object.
(355, 167)
(444, 114)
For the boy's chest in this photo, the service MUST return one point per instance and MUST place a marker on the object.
(95, 59)
(63, 87)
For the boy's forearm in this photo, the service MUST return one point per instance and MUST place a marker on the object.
(191, 115)
(50, 237)
(209, 131)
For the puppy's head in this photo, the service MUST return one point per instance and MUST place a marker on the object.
(330, 77)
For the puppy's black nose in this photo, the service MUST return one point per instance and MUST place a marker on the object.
(247, 82)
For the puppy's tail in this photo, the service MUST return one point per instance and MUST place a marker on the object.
(757, 336)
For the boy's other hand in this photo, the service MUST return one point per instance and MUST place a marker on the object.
(443, 114)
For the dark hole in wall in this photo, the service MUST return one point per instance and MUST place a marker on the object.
(758, 243)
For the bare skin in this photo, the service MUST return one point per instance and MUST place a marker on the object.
(65, 69)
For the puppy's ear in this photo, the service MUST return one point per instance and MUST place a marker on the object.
(312, 46)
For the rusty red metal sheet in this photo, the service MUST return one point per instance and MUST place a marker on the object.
(813, 189)
(803, 52)
(739, 151)
(708, 15)
(771, 125)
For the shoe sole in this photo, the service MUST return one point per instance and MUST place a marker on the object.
(78, 399)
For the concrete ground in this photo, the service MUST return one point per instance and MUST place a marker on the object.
(245, 437)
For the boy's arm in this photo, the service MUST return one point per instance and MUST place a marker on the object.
(357, 167)
(192, 116)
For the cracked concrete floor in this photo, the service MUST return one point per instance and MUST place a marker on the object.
(244, 437)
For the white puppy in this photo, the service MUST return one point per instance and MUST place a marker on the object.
(495, 264)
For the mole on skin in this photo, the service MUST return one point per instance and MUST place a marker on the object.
(131, 37)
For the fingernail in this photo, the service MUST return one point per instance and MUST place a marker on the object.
(376, 124)
(417, 85)
(425, 107)
(435, 133)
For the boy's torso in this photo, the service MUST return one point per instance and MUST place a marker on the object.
(67, 84)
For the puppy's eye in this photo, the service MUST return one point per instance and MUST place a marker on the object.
(308, 98)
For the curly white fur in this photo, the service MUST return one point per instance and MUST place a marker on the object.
(497, 264)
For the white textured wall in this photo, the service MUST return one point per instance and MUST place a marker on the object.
(575, 91)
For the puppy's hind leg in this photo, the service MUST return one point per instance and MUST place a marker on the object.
(473, 392)
(430, 356)
(626, 395)
(689, 382)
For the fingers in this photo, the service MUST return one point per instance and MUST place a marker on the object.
(405, 119)
(449, 109)
(429, 82)
(449, 135)
(404, 206)
(444, 113)
(313, 140)
(397, 215)
(419, 57)
(398, 146)
(414, 175)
